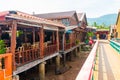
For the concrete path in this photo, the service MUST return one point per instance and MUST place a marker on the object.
(107, 63)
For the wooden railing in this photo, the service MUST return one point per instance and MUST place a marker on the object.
(60, 46)
(6, 66)
(23, 57)
(73, 44)
(86, 72)
(51, 49)
(67, 46)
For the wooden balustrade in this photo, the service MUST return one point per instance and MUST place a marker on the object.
(60, 46)
(51, 49)
(67, 46)
(26, 56)
(73, 44)
(86, 72)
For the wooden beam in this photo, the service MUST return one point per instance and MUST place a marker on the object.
(33, 32)
(13, 41)
(41, 36)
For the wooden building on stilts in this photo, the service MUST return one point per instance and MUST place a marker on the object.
(34, 40)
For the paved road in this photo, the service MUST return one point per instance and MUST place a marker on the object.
(108, 63)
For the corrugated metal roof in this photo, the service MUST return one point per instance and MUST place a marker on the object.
(30, 18)
(56, 15)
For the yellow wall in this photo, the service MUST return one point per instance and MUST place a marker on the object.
(118, 26)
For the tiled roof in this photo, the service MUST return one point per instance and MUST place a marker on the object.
(56, 15)
(30, 18)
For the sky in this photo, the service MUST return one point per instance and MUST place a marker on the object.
(92, 8)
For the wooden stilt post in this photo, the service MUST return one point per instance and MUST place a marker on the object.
(97, 36)
(57, 70)
(13, 42)
(42, 71)
(64, 59)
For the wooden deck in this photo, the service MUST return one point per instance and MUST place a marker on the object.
(107, 65)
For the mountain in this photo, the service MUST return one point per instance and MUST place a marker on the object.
(108, 20)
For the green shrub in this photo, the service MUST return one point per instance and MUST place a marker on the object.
(67, 41)
(2, 47)
(77, 41)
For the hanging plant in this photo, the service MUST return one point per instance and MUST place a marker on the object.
(2, 47)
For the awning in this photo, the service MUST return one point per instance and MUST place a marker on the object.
(69, 31)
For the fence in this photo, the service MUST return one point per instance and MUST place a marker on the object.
(86, 72)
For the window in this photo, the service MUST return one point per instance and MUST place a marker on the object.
(66, 22)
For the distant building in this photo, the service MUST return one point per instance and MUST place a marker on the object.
(118, 25)
(70, 19)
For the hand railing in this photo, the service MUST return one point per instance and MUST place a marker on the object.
(67, 46)
(51, 49)
(86, 72)
(115, 45)
(25, 56)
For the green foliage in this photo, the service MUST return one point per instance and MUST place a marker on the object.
(90, 34)
(102, 26)
(77, 41)
(67, 41)
(19, 33)
(2, 47)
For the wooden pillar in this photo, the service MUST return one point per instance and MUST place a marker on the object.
(70, 56)
(63, 41)
(41, 36)
(53, 37)
(42, 71)
(64, 59)
(70, 39)
(80, 48)
(13, 41)
(57, 40)
(33, 32)
(15, 77)
(108, 36)
(98, 36)
(57, 70)
(76, 54)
